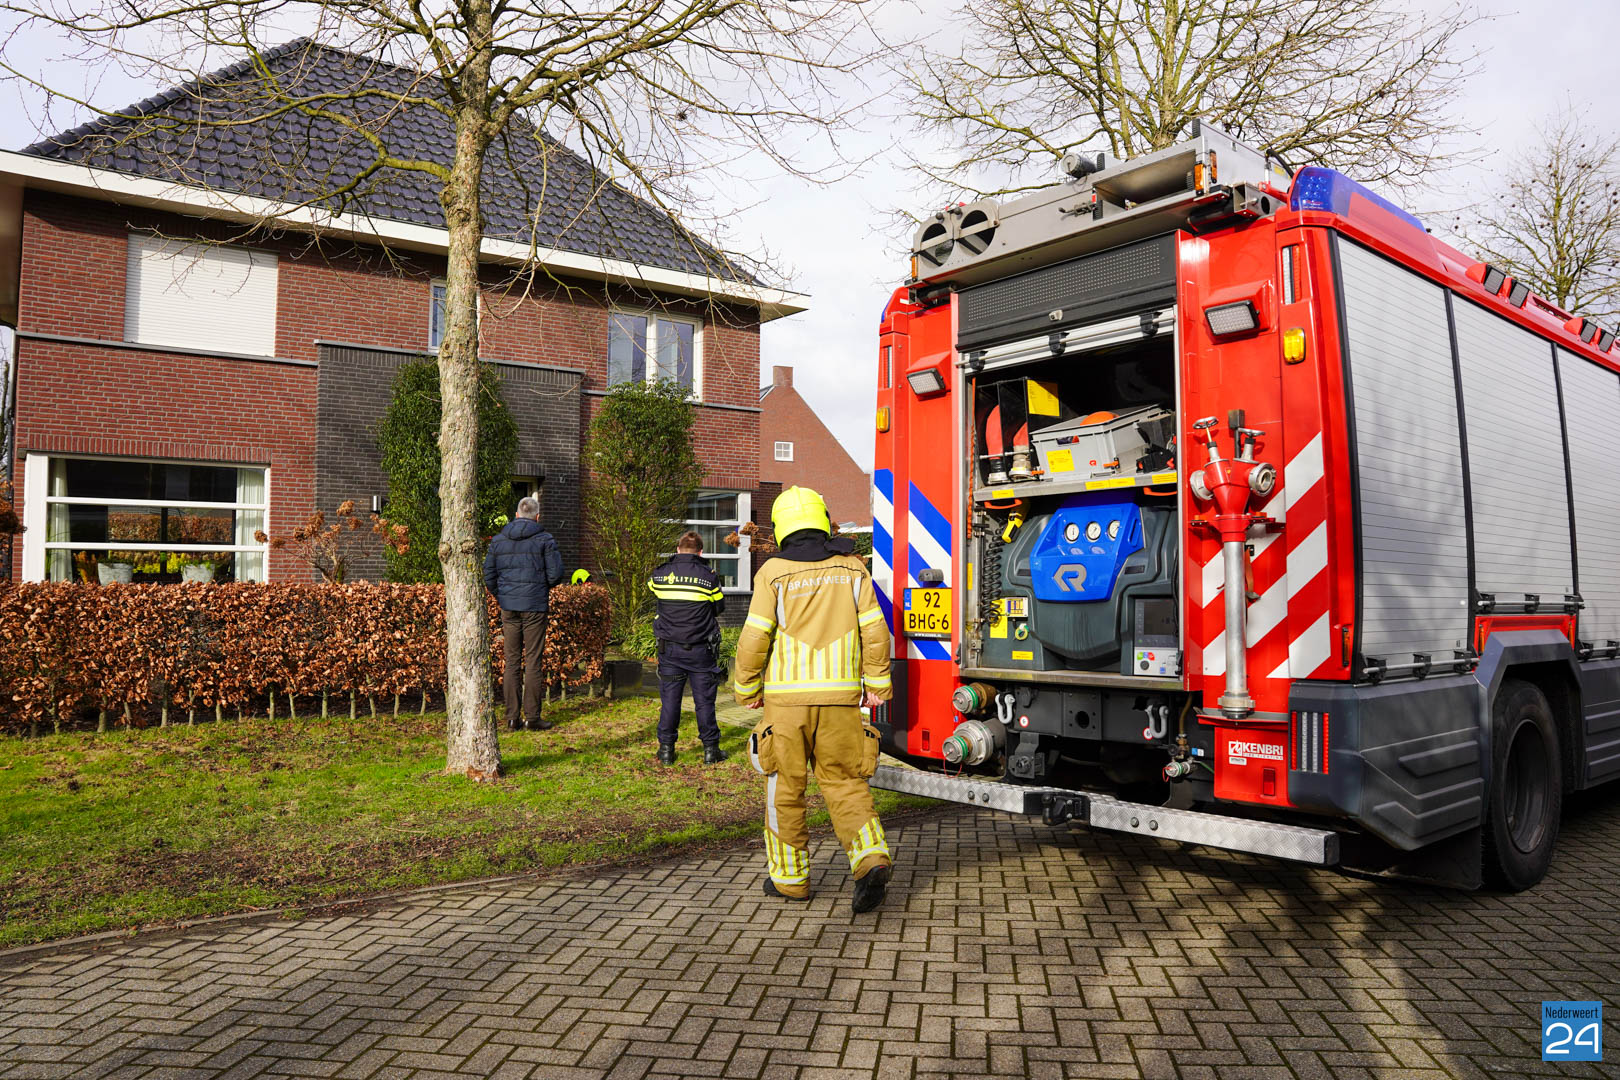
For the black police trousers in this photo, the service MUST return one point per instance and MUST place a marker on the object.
(677, 666)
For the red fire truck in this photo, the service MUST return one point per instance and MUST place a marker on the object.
(1222, 503)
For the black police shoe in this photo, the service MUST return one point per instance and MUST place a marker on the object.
(869, 890)
(541, 725)
(666, 753)
(712, 754)
(771, 890)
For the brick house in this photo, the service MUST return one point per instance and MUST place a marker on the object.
(199, 355)
(795, 447)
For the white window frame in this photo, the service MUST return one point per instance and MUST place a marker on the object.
(36, 480)
(433, 308)
(782, 445)
(652, 315)
(743, 554)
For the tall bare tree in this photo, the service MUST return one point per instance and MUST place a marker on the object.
(1357, 84)
(647, 90)
(1556, 223)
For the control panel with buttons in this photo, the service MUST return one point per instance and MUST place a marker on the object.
(1158, 662)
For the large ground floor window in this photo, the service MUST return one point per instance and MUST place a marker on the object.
(104, 520)
(713, 515)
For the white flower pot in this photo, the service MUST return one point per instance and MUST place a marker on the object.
(115, 573)
(197, 572)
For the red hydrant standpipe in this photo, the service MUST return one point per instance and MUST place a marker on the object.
(1229, 484)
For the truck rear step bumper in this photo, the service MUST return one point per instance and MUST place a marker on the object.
(1057, 805)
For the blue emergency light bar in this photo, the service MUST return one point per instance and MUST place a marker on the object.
(1316, 188)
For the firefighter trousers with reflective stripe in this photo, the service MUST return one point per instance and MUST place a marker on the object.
(790, 743)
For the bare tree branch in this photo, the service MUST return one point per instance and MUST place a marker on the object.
(1360, 85)
(1557, 224)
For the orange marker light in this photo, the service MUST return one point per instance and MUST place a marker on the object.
(1293, 345)
(883, 418)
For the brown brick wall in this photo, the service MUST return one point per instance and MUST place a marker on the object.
(819, 460)
(152, 403)
(132, 403)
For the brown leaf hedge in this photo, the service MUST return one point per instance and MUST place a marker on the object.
(67, 650)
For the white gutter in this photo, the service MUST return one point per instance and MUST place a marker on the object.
(19, 171)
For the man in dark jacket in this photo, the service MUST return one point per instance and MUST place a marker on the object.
(522, 566)
(688, 631)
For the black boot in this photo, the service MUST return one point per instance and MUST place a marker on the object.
(514, 725)
(541, 725)
(869, 889)
(771, 890)
(712, 754)
(666, 753)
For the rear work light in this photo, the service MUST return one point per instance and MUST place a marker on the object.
(1518, 293)
(926, 383)
(1228, 319)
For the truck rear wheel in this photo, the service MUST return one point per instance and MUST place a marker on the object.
(1526, 794)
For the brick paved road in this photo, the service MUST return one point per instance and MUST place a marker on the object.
(1007, 950)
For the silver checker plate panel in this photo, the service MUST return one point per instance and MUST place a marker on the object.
(971, 791)
(1295, 842)
(1213, 830)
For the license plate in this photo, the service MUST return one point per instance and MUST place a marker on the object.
(927, 613)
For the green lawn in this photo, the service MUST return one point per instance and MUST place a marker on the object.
(132, 828)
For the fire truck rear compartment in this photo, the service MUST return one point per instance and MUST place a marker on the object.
(1073, 626)
(1078, 565)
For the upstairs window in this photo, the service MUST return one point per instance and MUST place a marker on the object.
(644, 347)
(784, 451)
(218, 298)
(436, 294)
(436, 316)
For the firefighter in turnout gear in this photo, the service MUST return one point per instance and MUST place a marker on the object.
(814, 649)
(687, 627)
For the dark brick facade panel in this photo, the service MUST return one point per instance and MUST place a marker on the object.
(819, 459)
(81, 399)
(355, 388)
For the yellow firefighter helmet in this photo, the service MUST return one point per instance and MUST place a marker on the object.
(799, 508)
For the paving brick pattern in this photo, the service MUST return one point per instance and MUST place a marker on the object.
(1007, 949)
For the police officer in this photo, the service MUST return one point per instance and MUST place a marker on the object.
(687, 627)
(815, 648)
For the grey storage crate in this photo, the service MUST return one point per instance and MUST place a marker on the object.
(1100, 448)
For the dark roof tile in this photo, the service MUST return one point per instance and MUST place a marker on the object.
(214, 133)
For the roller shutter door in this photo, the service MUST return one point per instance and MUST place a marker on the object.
(1413, 543)
(1515, 459)
(1592, 413)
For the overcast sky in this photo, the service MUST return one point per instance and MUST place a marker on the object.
(850, 257)
(848, 254)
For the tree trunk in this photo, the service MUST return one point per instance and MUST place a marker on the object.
(472, 746)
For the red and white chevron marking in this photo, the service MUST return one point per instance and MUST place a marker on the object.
(1289, 633)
